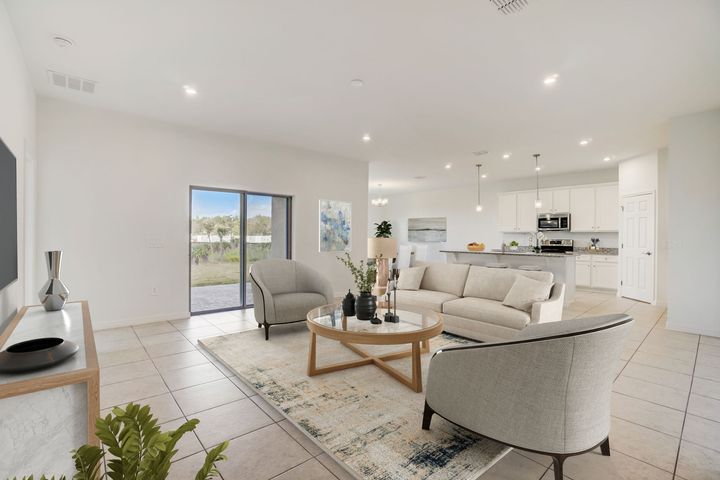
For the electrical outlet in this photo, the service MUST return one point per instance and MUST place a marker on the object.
(154, 292)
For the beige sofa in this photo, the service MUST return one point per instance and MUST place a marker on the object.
(469, 298)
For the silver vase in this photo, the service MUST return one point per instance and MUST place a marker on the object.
(54, 293)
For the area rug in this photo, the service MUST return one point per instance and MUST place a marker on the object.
(362, 417)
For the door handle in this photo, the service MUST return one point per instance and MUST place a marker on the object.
(648, 253)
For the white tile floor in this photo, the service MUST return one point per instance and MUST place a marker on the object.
(666, 402)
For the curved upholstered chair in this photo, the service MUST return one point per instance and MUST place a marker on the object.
(546, 391)
(284, 291)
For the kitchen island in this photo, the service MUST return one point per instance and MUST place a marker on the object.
(562, 265)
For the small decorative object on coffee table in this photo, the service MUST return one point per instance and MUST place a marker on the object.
(364, 276)
(392, 316)
(54, 293)
(348, 304)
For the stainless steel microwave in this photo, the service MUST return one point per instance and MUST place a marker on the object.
(553, 222)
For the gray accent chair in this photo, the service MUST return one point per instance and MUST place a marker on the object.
(284, 291)
(546, 391)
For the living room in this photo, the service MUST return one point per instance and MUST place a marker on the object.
(547, 170)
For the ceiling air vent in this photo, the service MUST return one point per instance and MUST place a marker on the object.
(72, 82)
(509, 6)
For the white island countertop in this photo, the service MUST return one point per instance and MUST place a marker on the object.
(509, 252)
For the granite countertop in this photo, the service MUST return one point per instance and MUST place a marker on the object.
(597, 251)
(508, 252)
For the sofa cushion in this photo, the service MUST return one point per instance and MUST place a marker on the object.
(526, 291)
(424, 299)
(410, 278)
(495, 283)
(291, 307)
(445, 277)
(488, 311)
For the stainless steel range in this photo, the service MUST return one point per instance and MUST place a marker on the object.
(557, 246)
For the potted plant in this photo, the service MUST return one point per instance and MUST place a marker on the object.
(514, 245)
(138, 449)
(364, 278)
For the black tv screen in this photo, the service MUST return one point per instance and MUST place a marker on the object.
(8, 217)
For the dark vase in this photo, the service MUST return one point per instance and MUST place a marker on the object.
(348, 305)
(365, 306)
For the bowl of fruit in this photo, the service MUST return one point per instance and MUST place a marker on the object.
(475, 247)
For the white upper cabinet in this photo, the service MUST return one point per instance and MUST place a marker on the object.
(526, 212)
(546, 197)
(561, 200)
(607, 208)
(582, 209)
(507, 214)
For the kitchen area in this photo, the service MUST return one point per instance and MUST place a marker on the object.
(569, 231)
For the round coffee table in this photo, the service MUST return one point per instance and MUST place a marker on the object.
(414, 327)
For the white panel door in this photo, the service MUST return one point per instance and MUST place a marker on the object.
(507, 212)
(637, 247)
(607, 211)
(561, 200)
(582, 208)
(526, 212)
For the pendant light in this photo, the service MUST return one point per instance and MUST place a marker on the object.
(538, 202)
(380, 201)
(478, 207)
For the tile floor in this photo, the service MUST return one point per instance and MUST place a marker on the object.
(665, 424)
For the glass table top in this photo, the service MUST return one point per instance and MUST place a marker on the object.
(331, 316)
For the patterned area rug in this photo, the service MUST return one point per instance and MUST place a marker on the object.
(361, 416)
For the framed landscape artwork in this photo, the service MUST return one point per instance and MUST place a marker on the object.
(335, 226)
(427, 230)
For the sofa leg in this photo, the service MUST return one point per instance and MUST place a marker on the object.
(259, 325)
(267, 331)
(427, 417)
(605, 447)
(558, 467)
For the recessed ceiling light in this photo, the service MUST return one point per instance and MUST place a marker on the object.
(448, 166)
(551, 79)
(607, 159)
(484, 175)
(366, 138)
(357, 82)
(190, 90)
(506, 155)
(62, 42)
(585, 142)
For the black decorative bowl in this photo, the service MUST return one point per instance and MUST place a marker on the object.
(36, 354)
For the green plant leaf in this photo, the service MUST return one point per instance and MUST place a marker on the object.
(209, 469)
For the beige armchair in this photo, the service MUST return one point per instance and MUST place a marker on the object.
(546, 391)
(284, 291)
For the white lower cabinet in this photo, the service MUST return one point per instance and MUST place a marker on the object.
(597, 271)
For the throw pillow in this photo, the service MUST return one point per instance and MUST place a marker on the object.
(526, 291)
(410, 278)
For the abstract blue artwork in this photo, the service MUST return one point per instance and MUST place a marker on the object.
(335, 231)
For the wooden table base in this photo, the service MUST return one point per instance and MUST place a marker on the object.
(414, 382)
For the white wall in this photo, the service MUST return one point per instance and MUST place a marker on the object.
(693, 170)
(465, 225)
(17, 130)
(107, 182)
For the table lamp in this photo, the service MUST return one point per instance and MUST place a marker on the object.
(383, 250)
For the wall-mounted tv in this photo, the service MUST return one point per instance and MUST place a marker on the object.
(8, 217)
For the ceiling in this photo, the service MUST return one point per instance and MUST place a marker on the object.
(441, 78)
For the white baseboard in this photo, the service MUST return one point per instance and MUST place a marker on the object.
(695, 331)
(164, 317)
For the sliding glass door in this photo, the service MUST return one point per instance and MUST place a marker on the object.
(229, 231)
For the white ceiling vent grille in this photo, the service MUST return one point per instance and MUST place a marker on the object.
(72, 82)
(509, 6)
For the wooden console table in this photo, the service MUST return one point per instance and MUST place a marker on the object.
(45, 414)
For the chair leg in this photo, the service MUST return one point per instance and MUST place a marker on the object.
(267, 331)
(605, 447)
(558, 467)
(259, 325)
(427, 417)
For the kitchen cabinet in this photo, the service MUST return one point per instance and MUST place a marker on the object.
(507, 214)
(597, 271)
(594, 208)
(555, 201)
(516, 212)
